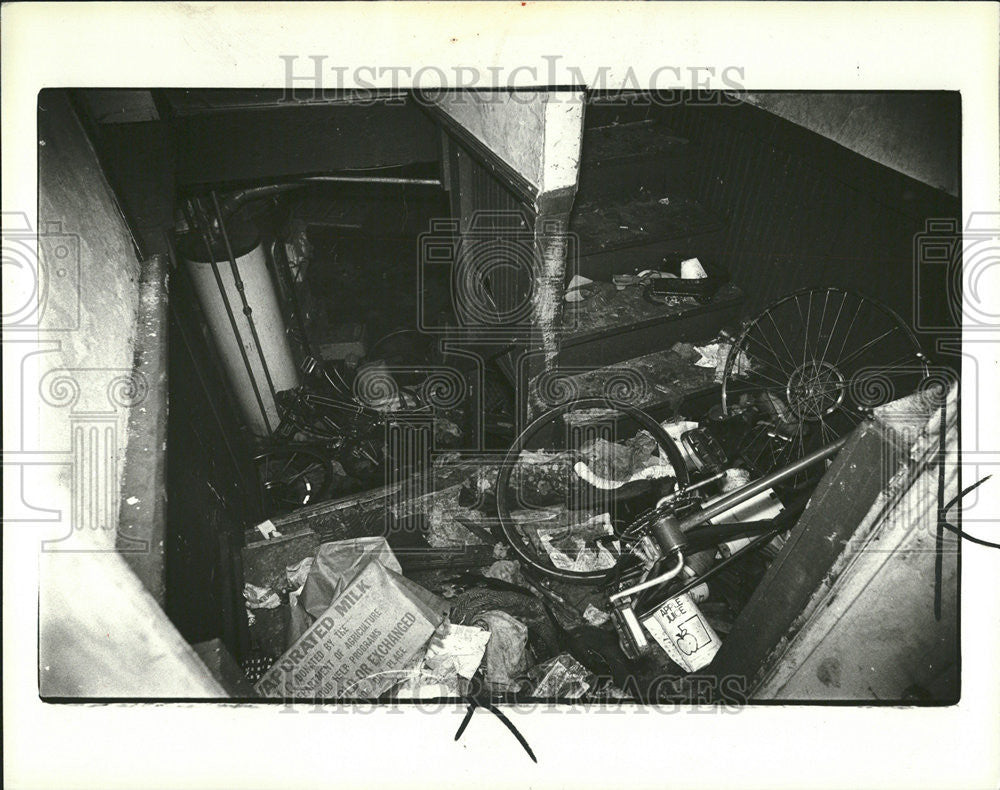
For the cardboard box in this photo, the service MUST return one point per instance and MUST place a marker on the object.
(361, 643)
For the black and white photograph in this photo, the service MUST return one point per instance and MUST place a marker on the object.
(425, 394)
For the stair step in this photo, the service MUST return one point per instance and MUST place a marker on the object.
(640, 219)
(631, 142)
(612, 325)
(656, 382)
(622, 158)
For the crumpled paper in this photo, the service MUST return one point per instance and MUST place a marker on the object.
(561, 677)
(297, 575)
(710, 355)
(506, 570)
(260, 597)
(611, 465)
(337, 564)
(452, 658)
(595, 616)
(691, 269)
(299, 572)
(456, 650)
(574, 549)
(506, 651)
(714, 355)
(577, 291)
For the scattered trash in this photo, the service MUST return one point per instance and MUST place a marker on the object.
(456, 650)
(577, 290)
(268, 530)
(710, 355)
(595, 616)
(562, 677)
(299, 572)
(506, 659)
(610, 466)
(574, 548)
(691, 269)
(680, 628)
(369, 624)
(337, 564)
(356, 627)
(506, 570)
(261, 597)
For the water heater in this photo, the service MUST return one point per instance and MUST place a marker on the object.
(254, 348)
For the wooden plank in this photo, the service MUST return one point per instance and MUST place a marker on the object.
(874, 635)
(845, 494)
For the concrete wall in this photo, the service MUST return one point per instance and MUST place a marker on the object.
(538, 133)
(90, 306)
(916, 133)
(100, 633)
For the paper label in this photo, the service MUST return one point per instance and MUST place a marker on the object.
(358, 645)
(680, 628)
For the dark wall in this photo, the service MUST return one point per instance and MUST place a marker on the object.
(800, 210)
(914, 132)
(261, 143)
(212, 495)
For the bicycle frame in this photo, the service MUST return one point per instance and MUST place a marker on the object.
(669, 535)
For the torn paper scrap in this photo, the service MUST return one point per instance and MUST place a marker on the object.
(260, 597)
(506, 657)
(456, 650)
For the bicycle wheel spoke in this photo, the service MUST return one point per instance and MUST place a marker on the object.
(788, 448)
(856, 418)
(747, 388)
(774, 353)
(826, 430)
(777, 331)
(287, 464)
(904, 365)
(822, 320)
(805, 339)
(769, 350)
(833, 329)
(854, 355)
(749, 442)
(849, 328)
(298, 475)
(781, 384)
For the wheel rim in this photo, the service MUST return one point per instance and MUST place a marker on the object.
(820, 361)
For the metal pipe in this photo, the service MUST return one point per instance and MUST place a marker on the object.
(663, 577)
(428, 182)
(233, 202)
(174, 259)
(704, 577)
(236, 328)
(750, 490)
(247, 310)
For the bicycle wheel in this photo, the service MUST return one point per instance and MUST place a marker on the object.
(292, 477)
(816, 363)
(515, 535)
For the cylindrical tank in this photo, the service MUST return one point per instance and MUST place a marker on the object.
(265, 313)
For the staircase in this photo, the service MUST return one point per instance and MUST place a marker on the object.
(635, 211)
